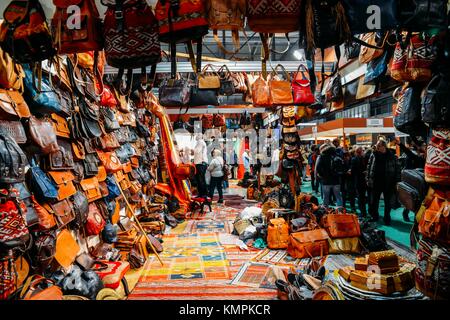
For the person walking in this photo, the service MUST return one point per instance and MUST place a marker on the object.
(216, 170)
(382, 177)
(347, 187)
(201, 163)
(358, 175)
(312, 166)
(327, 169)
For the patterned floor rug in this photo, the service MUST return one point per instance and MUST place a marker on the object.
(208, 226)
(276, 257)
(258, 275)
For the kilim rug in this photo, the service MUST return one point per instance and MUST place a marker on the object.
(208, 226)
(258, 275)
(277, 257)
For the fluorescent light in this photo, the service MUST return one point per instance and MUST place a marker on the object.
(299, 54)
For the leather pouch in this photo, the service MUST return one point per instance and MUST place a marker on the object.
(344, 245)
(12, 105)
(108, 142)
(308, 244)
(14, 129)
(109, 120)
(61, 160)
(62, 211)
(101, 176)
(90, 164)
(91, 189)
(66, 248)
(64, 182)
(43, 134)
(78, 150)
(110, 161)
(60, 125)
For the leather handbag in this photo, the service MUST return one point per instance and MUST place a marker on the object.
(341, 225)
(67, 249)
(39, 288)
(79, 152)
(413, 58)
(227, 84)
(110, 161)
(46, 219)
(308, 244)
(261, 93)
(277, 234)
(344, 246)
(219, 120)
(11, 73)
(43, 134)
(87, 35)
(80, 208)
(64, 182)
(90, 164)
(24, 34)
(423, 15)
(334, 92)
(13, 229)
(40, 184)
(434, 224)
(273, 16)
(108, 98)
(12, 160)
(301, 87)
(91, 189)
(408, 196)
(12, 105)
(358, 15)
(280, 90)
(40, 97)
(109, 119)
(15, 130)
(208, 81)
(376, 40)
(407, 115)
(437, 167)
(62, 159)
(60, 126)
(62, 211)
(108, 142)
(435, 102)
(376, 69)
(94, 223)
(433, 269)
(203, 97)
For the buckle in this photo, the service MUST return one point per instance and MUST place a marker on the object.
(119, 14)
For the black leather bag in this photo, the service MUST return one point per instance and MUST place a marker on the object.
(436, 102)
(42, 186)
(90, 164)
(422, 15)
(12, 160)
(109, 119)
(174, 93)
(412, 189)
(203, 97)
(416, 179)
(407, 117)
(80, 208)
(408, 196)
(358, 17)
(43, 250)
(334, 91)
(286, 198)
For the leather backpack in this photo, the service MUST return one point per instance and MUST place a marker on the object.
(226, 15)
(24, 34)
(436, 102)
(274, 16)
(407, 116)
(278, 234)
(78, 38)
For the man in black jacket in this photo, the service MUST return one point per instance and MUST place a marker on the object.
(328, 175)
(383, 174)
(358, 170)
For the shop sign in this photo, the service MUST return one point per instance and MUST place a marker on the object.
(374, 123)
(364, 138)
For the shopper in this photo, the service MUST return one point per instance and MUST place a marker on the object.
(337, 145)
(247, 160)
(347, 186)
(358, 170)
(201, 163)
(216, 170)
(327, 169)
(312, 166)
(383, 174)
(305, 154)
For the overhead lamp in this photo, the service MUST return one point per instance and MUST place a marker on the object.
(299, 54)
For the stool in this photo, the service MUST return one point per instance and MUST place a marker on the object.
(200, 203)
(112, 273)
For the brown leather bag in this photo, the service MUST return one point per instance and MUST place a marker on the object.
(281, 90)
(11, 73)
(64, 181)
(208, 80)
(66, 248)
(101, 175)
(108, 142)
(278, 234)
(308, 244)
(12, 105)
(46, 219)
(261, 93)
(60, 125)
(39, 288)
(43, 134)
(79, 152)
(91, 189)
(341, 225)
(435, 221)
(62, 211)
(110, 161)
(368, 54)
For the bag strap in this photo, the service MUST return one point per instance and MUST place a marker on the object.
(275, 71)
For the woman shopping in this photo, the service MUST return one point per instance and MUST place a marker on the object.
(216, 170)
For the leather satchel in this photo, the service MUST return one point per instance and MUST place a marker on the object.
(80, 208)
(407, 117)
(12, 160)
(281, 90)
(39, 288)
(90, 164)
(11, 73)
(110, 122)
(60, 125)
(64, 182)
(203, 97)
(341, 225)
(108, 142)
(43, 134)
(91, 189)
(46, 219)
(174, 93)
(436, 102)
(261, 93)
(95, 223)
(344, 246)
(110, 161)
(15, 130)
(12, 105)
(67, 249)
(277, 234)
(62, 211)
(308, 244)
(40, 184)
(208, 81)
(301, 87)
(62, 159)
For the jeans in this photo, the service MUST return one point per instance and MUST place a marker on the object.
(387, 192)
(336, 191)
(225, 184)
(362, 199)
(200, 179)
(216, 182)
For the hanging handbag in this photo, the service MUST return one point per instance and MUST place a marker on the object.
(46, 219)
(374, 40)
(94, 223)
(219, 120)
(437, 166)
(11, 73)
(60, 126)
(40, 184)
(208, 81)
(61, 159)
(91, 189)
(436, 102)
(227, 85)
(110, 161)
(407, 117)
(280, 90)
(435, 221)
(341, 225)
(12, 105)
(84, 37)
(24, 33)
(12, 160)
(376, 69)
(110, 122)
(334, 89)
(203, 97)
(90, 164)
(261, 93)
(15, 130)
(43, 134)
(422, 15)
(301, 87)
(174, 93)
(273, 16)
(64, 183)
(62, 211)
(13, 229)
(67, 249)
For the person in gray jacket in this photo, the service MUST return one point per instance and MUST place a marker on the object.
(216, 170)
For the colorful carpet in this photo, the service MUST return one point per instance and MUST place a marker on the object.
(276, 257)
(208, 226)
(258, 275)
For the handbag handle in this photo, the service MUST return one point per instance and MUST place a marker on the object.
(228, 73)
(275, 71)
(209, 66)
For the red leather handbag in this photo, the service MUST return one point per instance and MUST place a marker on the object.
(301, 87)
(207, 121)
(83, 37)
(95, 223)
(107, 98)
(437, 167)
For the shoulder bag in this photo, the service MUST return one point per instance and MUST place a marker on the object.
(12, 160)
(308, 244)
(280, 90)
(43, 134)
(12, 105)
